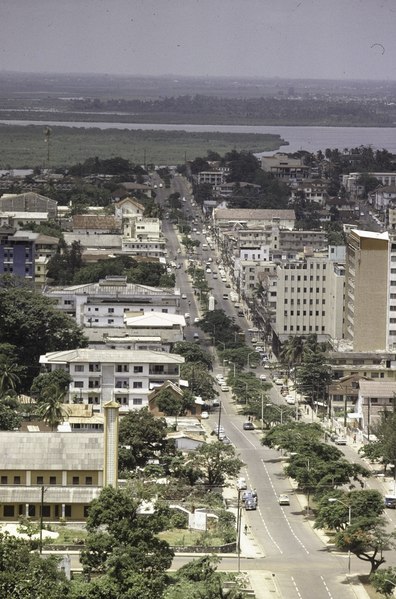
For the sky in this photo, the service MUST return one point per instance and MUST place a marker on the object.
(316, 39)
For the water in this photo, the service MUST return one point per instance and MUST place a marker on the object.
(311, 139)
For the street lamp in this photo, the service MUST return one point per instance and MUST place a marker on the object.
(272, 405)
(334, 500)
(239, 518)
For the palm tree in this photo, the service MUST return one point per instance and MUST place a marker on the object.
(9, 376)
(51, 408)
(292, 351)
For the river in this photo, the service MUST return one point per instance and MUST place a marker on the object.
(311, 139)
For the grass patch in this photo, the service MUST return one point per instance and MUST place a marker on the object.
(24, 146)
(67, 535)
(183, 537)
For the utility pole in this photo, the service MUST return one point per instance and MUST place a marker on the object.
(41, 519)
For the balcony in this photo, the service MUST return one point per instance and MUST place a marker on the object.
(164, 372)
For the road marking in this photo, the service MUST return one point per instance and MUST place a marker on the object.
(246, 437)
(296, 587)
(283, 511)
(326, 587)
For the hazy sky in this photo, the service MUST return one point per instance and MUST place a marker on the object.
(343, 39)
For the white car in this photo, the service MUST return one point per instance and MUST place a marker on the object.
(224, 387)
(263, 377)
(184, 296)
(290, 399)
(241, 484)
(219, 377)
(278, 381)
(187, 315)
(283, 499)
(204, 415)
(196, 319)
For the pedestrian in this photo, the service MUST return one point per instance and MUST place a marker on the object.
(354, 438)
(246, 529)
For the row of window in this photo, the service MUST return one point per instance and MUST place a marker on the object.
(16, 480)
(123, 400)
(298, 301)
(298, 313)
(305, 278)
(305, 290)
(119, 368)
(304, 329)
(312, 265)
(9, 511)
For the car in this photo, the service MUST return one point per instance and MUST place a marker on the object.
(278, 381)
(208, 271)
(214, 275)
(248, 426)
(263, 377)
(219, 377)
(228, 286)
(251, 504)
(216, 403)
(241, 484)
(240, 313)
(187, 315)
(184, 296)
(283, 499)
(197, 319)
(224, 387)
(204, 415)
(196, 336)
(340, 441)
(390, 501)
(258, 349)
(224, 279)
(226, 440)
(290, 399)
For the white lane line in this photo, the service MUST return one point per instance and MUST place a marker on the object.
(284, 513)
(246, 437)
(326, 587)
(296, 587)
(268, 532)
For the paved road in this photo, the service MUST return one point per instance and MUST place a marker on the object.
(293, 551)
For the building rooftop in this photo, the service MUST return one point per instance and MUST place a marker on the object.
(377, 389)
(51, 451)
(252, 214)
(110, 356)
(155, 319)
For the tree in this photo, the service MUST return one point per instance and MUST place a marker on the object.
(9, 417)
(24, 574)
(60, 378)
(367, 539)
(314, 374)
(216, 462)
(384, 581)
(334, 515)
(201, 383)
(51, 407)
(123, 546)
(31, 323)
(169, 403)
(10, 374)
(192, 352)
(292, 351)
(142, 438)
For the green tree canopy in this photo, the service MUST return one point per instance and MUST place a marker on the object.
(142, 438)
(31, 323)
(216, 462)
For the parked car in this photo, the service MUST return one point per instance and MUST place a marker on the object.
(263, 377)
(250, 504)
(184, 296)
(248, 426)
(215, 403)
(187, 315)
(204, 415)
(226, 440)
(290, 399)
(283, 499)
(224, 387)
(390, 501)
(241, 484)
(278, 381)
(197, 319)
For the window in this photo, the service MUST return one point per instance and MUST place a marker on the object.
(78, 384)
(110, 320)
(40, 480)
(4, 480)
(76, 480)
(31, 510)
(137, 369)
(52, 480)
(79, 368)
(137, 401)
(110, 310)
(86, 511)
(9, 511)
(17, 480)
(137, 385)
(68, 511)
(88, 480)
(46, 511)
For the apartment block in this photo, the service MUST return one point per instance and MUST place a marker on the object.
(100, 376)
(366, 290)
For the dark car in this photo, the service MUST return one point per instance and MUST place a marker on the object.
(251, 504)
(248, 426)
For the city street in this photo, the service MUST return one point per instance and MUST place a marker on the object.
(293, 551)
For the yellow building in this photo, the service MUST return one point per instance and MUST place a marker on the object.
(59, 471)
